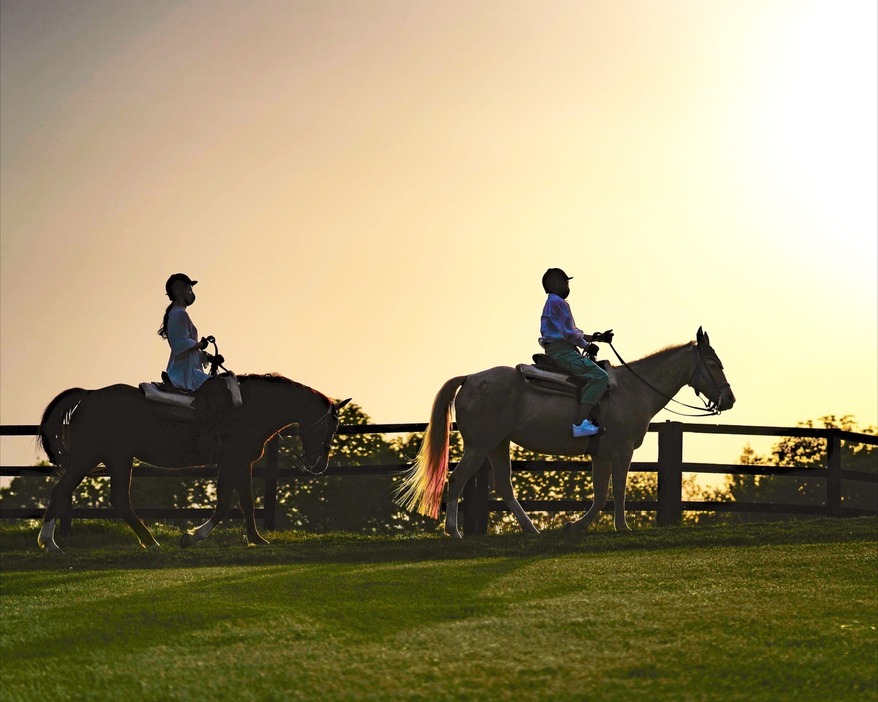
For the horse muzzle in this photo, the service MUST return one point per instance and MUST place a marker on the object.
(726, 399)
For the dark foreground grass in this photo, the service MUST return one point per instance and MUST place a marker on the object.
(756, 612)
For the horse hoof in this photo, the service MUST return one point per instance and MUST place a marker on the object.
(187, 540)
(258, 541)
(569, 526)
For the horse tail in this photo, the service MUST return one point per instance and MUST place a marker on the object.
(421, 489)
(54, 435)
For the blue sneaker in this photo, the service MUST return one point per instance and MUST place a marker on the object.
(585, 429)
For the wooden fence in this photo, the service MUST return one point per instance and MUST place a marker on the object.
(476, 503)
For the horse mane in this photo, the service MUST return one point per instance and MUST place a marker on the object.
(278, 379)
(665, 351)
(661, 353)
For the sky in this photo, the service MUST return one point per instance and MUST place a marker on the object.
(369, 192)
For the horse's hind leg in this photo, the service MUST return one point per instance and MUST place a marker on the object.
(502, 468)
(601, 478)
(466, 469)
(61, 493)
(120, 497)
(245, 496)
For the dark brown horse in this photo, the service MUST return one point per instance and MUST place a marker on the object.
(116, 424)
(496, 407)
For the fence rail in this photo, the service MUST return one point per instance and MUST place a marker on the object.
(477, 505)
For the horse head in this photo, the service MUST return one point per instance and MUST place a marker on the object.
(317, 438)
(709, 379)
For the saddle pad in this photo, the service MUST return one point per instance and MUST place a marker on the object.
(531, 371)
(167, 397)
(178, 398)
(561, 381)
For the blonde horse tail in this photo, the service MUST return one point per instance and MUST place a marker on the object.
(422, 487)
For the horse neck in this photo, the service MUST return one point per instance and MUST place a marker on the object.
(668, 371)
(282, 404)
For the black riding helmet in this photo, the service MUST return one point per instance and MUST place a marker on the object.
(555, 281)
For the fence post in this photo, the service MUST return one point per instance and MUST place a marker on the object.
(670, 474)
(269, 501)
(833, 478)
(475, 502)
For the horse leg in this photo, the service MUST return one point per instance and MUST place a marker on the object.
(469, 464)
(120, 498)
(245, 496)
(502, 469)
(224, 489)
(621, 464)
(600, 472)
(61, 493)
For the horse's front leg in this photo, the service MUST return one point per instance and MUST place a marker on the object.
(225, 486)
(245, 496)
(600, 472)
(621, 464)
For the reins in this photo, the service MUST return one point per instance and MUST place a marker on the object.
(712, 410)
(302, 465)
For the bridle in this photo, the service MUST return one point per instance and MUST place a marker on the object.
(711, 406)
(300, 462)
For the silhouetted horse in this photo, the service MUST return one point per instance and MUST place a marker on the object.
(496, 407)
(113, 425)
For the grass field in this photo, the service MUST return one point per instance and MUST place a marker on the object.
(755, 612)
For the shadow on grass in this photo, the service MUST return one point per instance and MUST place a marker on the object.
(298, 602)
(110, 545)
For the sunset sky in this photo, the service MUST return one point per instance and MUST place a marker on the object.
(370, 191)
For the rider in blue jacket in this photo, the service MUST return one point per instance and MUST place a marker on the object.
(561, 338)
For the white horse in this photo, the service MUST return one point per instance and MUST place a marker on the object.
(496, 407)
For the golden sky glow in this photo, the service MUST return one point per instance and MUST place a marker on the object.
(369, 192)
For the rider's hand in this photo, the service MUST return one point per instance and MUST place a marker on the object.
(606, 337)
(203, 343)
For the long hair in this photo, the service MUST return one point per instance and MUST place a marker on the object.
(163, 330)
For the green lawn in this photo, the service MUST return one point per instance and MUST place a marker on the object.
(755, 612)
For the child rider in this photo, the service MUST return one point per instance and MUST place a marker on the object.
(560, 337)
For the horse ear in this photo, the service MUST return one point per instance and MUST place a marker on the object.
(339, 405)
(703, 338)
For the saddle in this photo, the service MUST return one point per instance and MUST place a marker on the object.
(544, 375)
(167, 394)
